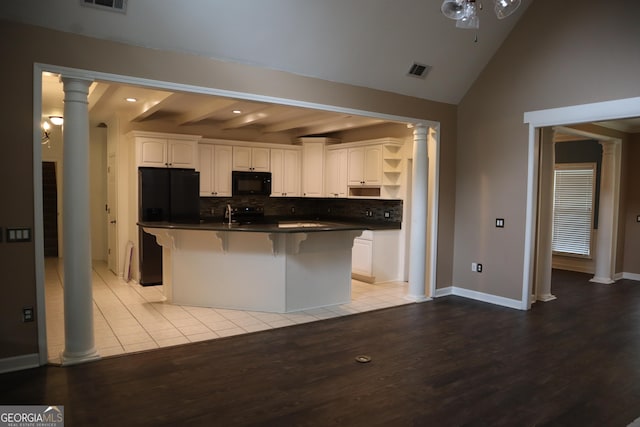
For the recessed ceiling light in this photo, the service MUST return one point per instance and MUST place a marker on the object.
(237, 112)
(131, 99)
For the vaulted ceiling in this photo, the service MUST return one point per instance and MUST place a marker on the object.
(370, 43)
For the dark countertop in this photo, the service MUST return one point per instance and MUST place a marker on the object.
(294, 226)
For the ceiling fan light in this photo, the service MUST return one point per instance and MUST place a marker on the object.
(504, 8)
(453, 9)
(470, 20)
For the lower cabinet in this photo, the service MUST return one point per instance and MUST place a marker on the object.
(375, 256)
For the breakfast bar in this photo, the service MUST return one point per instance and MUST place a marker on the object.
(282, 267)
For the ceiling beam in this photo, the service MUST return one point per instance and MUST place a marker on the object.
(248, 119)
(300, 122)
(339, 124)
(101, 94)
(204, 111)
(155, 103)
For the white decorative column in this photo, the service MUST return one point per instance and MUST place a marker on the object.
(544, 263)
(418, 239)
(78, 294)
(607, 220)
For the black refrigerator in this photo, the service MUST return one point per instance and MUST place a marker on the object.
(169, 195)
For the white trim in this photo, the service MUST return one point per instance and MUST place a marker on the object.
(630, 276)
(597, 111)
(492, 299)
(432, 213)
(17, 363)
(443, 292)
(179, 87)
(479, 296)
(38, 224)
(607, 110)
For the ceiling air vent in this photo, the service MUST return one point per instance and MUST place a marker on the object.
(419, 70)
(112, 5)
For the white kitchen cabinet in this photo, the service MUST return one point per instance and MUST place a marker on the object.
(285, 170)
(255, 159)
(336, 173)
(313, 169)
(163, 152)
(375, 256)
(215, 163)
(362, 259)
(365, 165)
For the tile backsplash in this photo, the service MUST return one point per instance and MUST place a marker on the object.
(306, 207)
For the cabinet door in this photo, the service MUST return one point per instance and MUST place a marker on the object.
(241, 158)
(362, 257)
(260, 159)
(277, 172)
(222, 164)
(291, 173)
(313, 169)
(181, 154)
(205, 167)
(356, 166)
(153, 152)
(372, 173)
(337, 173)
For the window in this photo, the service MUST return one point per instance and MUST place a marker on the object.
(574, 185)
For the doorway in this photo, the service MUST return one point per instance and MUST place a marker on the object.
(50, 209)
(538, 121)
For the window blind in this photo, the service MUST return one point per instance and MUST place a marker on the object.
(573, 209)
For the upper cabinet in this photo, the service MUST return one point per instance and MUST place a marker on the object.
(336, 173)
(313, 164)
(365, 165)
(165, 150)
(215, 163)
(285, 170)
(255, 159)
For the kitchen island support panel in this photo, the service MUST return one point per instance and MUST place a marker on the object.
(272, 272)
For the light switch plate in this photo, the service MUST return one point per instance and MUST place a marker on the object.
(638, 218)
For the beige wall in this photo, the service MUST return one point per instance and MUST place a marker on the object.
(561, 53)
(31, 44)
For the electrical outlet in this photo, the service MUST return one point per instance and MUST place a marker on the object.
(479, 268)
(638, 218)
(27, 314)
(500, 222)
(387, 214)
(293, 210)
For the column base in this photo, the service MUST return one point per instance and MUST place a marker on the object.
(417, 298)
(68, 359)
(546, 297)
(603, 280)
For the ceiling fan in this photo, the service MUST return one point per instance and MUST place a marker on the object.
(465, 12)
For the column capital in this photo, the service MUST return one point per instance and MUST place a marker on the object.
(420, 132)
(608, 147)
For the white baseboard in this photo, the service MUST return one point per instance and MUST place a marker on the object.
(17, 363)
(443, 292)
(631, 276)
(479, 296)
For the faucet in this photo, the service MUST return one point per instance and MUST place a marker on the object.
(227, 213)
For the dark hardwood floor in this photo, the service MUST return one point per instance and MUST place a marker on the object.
(574, 361)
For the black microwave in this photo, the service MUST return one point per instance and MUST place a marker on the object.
(250, 183)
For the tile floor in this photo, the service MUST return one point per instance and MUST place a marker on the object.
(130, 318)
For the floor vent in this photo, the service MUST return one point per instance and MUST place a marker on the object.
(419, 70)
(112, 5)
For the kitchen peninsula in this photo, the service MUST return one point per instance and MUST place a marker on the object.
(281, 267)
